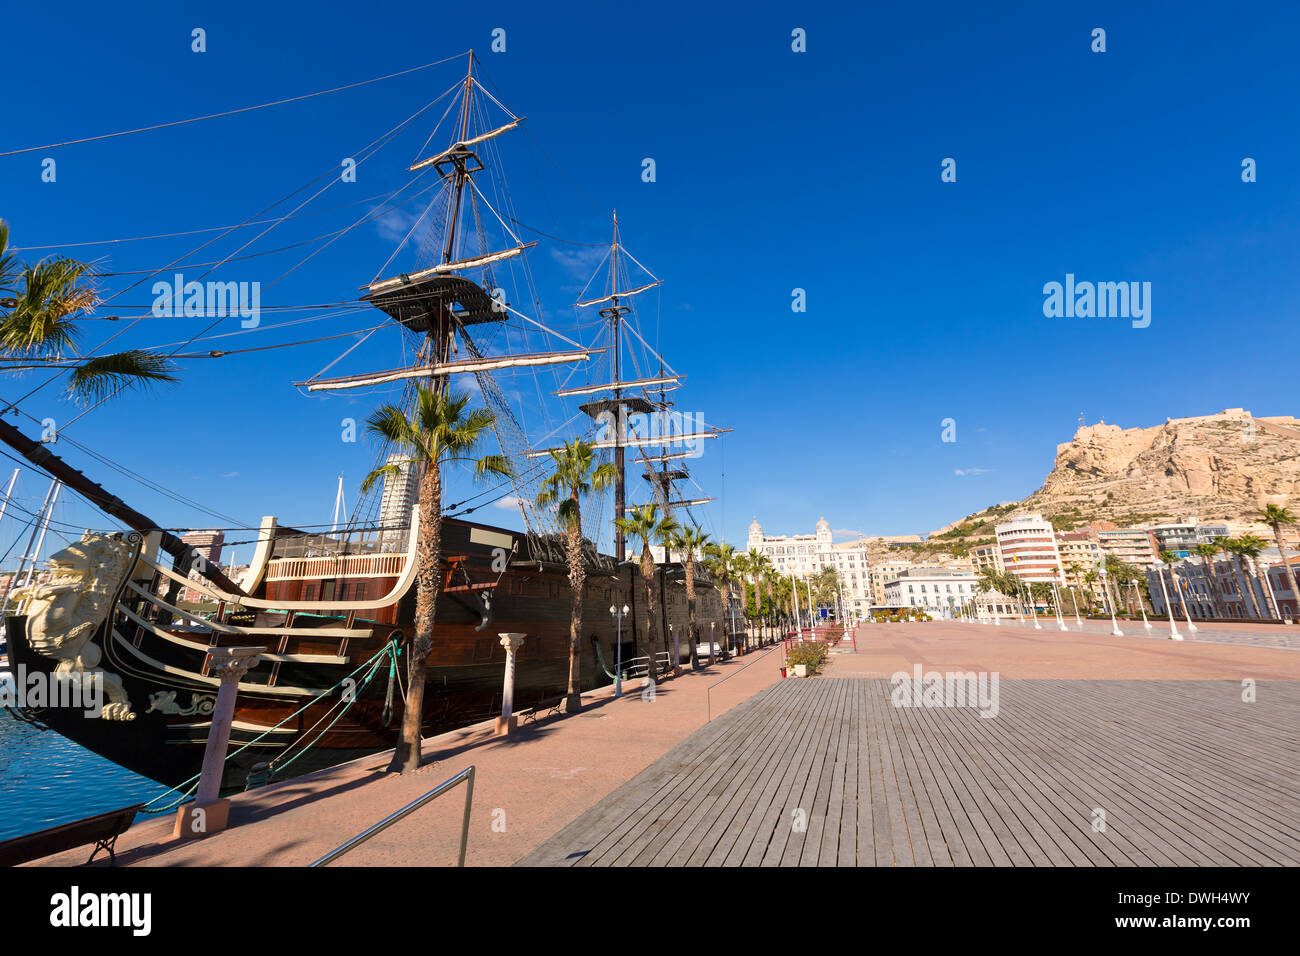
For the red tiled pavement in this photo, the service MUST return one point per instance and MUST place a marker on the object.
(885, 649)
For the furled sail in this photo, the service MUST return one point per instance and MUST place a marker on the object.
(485, 364)
(621, 295)
(477, 262)
(447, 154)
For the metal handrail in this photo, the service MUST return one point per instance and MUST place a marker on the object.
(708, 691)
(466, 776)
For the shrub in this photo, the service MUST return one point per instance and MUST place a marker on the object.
(810, 653)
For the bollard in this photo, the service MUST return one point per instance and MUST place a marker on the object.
(209, 813)
(507, 722)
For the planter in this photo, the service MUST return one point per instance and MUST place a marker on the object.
(800, 670)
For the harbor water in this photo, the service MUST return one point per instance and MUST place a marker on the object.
(46, 780)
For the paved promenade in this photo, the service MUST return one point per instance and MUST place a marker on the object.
(1149, 737)
(1013, 651)
(528, 785)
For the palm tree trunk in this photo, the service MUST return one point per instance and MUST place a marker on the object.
(648, 582)
(428, 556)
(1249, 587)
(692, 635)
(577, 580)
(1290, 573)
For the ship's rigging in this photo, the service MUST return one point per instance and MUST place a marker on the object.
(468, 309)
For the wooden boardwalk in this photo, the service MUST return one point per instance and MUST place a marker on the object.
(827, 772)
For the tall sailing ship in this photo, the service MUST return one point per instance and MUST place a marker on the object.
(335, 610)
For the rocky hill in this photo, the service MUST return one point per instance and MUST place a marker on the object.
(1219, 467)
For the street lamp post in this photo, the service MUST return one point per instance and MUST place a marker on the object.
(1114, 622)
(1056, 600)
(1138, 594)
(1192, 628)
(1074, 601)
(1029, 595)
(618, 613)
(1169, 609)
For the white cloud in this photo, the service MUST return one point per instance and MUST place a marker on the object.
(393, 225)
(508, 503)
(581, 262)
(960, 472)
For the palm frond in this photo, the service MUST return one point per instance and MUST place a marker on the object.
(570, 514)
(8, 264)
(490, 465)
(105, 375)
(383, 472)
(390, 423)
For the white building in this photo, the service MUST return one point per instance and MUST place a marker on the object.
(942, 592)
(1027, 548)
(401, 492)
(803, 555)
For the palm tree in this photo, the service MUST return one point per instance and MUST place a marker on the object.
(722, 562)
(1169, 559)
(770, 579)
(437, 433)
(1250, 546)
(644, 522)
(1090, 579)
(576, 475)
(666, 536)
(40, 305)
(1206, 552)
(691, 541)
(740, 565)
(1275, 516)
(759, 568)
(1236, 548)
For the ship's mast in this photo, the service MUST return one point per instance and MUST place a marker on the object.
(615, 313)
(440, 333)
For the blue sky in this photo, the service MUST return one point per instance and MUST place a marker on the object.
(776, 170)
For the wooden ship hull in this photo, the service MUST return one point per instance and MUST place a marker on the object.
(327, 618)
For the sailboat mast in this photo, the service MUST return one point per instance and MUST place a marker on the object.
(31, 546)
(8, 492)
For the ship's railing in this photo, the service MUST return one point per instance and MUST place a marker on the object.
(466, 777)
(333, 566)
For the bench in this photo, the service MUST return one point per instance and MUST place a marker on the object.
(546, 707)
(101, 830)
